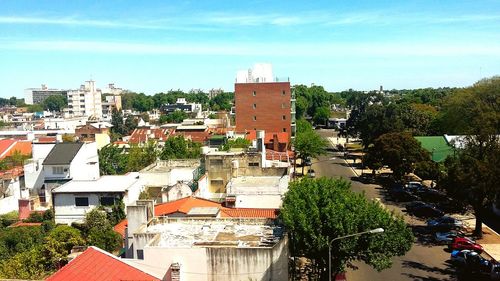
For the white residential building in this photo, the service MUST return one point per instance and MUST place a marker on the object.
(85, 101)
(75, 198)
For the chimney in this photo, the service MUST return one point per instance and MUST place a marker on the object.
(276, 145)
(24, 208)
(175, 271)
(260, 135)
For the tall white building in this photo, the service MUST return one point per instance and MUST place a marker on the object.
(85, 101)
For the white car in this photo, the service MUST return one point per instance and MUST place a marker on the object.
(446, 237)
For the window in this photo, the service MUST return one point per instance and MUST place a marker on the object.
(283, 117)
(253, 164)
(216, 162)
(107, 201)
(140, 254)
(283, 93)
(57, 170)
(217, 182)
(81, 201)
(254, 93)
(254, 106)
(254, 118)
(283, 105)
(284, 130)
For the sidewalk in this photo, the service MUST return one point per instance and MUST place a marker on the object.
(490, 240)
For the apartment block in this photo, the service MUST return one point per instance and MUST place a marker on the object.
(263, 102)
(85, 101)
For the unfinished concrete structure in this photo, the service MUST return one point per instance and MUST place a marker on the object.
(205, 248)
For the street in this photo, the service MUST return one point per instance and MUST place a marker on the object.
(423, 262)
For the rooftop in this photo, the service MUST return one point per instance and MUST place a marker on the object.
(240, 233)
(62, 153)
(96, 264)
(161, 166)
(112, 183)
(258, 185)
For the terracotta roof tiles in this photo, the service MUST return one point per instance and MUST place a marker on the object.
(98, 265)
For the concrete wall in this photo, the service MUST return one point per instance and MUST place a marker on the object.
(214, 263)
(264, 201)
(85, 165)
(8, 204)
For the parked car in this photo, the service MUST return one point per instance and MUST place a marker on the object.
(447, 237)
(462, 243)
(414, 186)
(460, 256)
(445, 223)
(495, 271)
(311, 173)
(401, 195)
(307, 162)
(412, 206)
(427, 211)
(431, 195)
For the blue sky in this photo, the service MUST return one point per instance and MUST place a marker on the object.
(153, 46)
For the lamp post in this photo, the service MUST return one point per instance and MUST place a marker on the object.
(373, 231)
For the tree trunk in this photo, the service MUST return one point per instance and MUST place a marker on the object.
(478, 230)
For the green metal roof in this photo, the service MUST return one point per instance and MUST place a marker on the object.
(437, 146)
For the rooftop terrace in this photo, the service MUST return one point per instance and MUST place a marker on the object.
(240, 233)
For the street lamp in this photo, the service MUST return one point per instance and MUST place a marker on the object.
(373, 231)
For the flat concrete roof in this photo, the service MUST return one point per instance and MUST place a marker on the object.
(258, 185)
(186, 233)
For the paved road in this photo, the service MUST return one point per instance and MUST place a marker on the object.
(423, 262)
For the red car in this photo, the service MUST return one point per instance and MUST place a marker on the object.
(464, 243)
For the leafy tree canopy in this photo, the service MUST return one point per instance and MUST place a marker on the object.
(399, 151)
(316, 211)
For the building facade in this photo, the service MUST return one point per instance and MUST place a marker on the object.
(268, 105)
(85, 101)
(38, 95)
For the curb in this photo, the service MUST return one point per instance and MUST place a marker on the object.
(353, 170)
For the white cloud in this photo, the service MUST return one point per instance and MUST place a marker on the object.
(449, 49)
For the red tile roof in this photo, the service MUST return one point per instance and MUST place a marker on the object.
(199, 137)
(96, 264)
(140, 135)
(20, 224)
(184, 205)
(5, 146)
(12, 173)
(278, 155)
(24, 147)
(249, 213)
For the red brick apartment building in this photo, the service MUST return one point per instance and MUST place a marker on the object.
(268, 106)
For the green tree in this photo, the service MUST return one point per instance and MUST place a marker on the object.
(307, 142)
(236, 143)
(140, 157)
(112, 160)
(143, 103)
(100, 233)
(399, 151)
(473, 173)
(315, 211)
(35, 108)
(179, 148)
(321, 115)
(55, 103)
(27, 265)
(176, 117)
(59, 242)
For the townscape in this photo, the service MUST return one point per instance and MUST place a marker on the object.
(276, 177)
